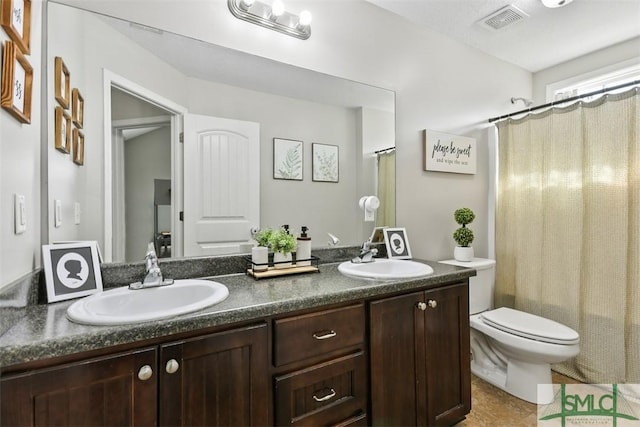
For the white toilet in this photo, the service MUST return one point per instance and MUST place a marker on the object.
(511, 349)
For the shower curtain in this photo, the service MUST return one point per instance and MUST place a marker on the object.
(386, 214)
(568, 228)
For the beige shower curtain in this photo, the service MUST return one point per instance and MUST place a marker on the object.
(568, 228)
(386, 214)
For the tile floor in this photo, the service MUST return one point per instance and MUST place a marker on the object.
(492, 407)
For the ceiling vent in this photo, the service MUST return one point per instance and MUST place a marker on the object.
(502, 18)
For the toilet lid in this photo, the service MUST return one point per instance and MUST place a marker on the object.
(530, 326)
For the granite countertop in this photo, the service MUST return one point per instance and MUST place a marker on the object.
(42, 331)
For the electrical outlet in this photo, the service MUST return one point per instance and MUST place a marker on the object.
(19, 214)
(57, 213)
(76, 213)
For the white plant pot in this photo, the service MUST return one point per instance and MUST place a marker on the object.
(260, 258)
(463, 253)
(280, 260)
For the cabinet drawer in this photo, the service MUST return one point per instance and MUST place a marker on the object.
(301, 337)
(329, 393)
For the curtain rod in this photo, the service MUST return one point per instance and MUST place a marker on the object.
(564, 101)
(384, 149)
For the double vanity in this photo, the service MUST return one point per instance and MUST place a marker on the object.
(328, 348)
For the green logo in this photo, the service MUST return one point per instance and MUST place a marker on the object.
(588, 404)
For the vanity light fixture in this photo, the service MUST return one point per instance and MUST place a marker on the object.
(555, 3)
(273, 16)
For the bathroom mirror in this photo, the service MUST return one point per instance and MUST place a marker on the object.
(190, 76)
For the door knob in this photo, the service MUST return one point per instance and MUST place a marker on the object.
(172, 366)
(145, 373)
(432, 303)
(422, 306)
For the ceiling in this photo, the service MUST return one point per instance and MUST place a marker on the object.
(545, 38)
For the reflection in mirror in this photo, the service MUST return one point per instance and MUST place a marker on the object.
(204, 79)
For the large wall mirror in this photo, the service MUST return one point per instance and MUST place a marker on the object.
(136, 86)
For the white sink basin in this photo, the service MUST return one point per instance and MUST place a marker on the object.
(125, 306)
(383, 268)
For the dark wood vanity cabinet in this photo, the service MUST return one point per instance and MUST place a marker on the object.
(115, 390)
(321, 368)
(420, 358)
(217, 379)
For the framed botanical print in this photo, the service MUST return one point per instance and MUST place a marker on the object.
(62, 130)
(15, 18)
(62, 83)
(71, 270)
(17, 82)
(77, 108)
(325, 162)
(287, 159)
(78, 147)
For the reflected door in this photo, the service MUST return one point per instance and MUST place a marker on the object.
(221, 184)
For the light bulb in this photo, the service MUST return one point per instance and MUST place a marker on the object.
(556, 3)
(277, 8)
(305, 18)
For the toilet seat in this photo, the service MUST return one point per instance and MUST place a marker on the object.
(530, 326)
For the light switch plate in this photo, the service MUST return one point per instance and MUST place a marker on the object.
(19, 213)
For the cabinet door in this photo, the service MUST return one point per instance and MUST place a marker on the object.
(447, 361)
(394, 325)
(216, 380)
(118, 390)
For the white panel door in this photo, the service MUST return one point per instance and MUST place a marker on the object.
(221, 184)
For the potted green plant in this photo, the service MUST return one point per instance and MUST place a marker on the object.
(463, 235)
(282, 243)
(260, 253)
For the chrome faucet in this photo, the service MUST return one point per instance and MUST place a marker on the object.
(366, 253)
(154, 277)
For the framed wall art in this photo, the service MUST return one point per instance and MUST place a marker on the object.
(287, 159)
(71, 270)
(77, 108)
(396, 242)
(444, 152)
(78, 147)
(15, 18)
(62, 83)
(325, 162)
(62, 130)
(17, 81)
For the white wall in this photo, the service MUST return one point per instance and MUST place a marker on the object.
(20, 171)
(440, 84)
(599, 59)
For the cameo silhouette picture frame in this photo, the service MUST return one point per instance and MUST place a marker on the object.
(396, 242)
(71, 270)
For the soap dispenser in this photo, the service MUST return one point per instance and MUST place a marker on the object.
(303, 252)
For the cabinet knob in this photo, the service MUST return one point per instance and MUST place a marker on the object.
(172, 366)
(422, 306)
(432, 303)
(145, 373)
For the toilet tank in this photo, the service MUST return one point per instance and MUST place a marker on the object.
(482, 285)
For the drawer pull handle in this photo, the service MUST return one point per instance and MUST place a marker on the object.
(331, 394)
(324, 335)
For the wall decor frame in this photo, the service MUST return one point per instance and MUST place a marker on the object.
(78, 147)
(325, 162)
(71, 270)
(17, 82)
(62, 130)
(287, 159)
(62, 82)
(77, 108)
(396, 242)
(15, 18)
(444, 152)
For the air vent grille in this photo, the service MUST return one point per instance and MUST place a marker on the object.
(502, 18)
